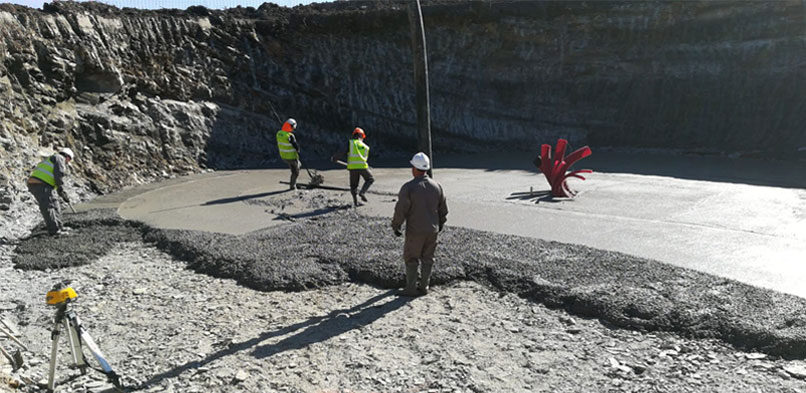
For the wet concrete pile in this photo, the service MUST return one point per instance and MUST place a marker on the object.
(343, 246)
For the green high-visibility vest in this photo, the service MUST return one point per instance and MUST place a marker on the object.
(358, 156)
(287, 151)
(44, 172)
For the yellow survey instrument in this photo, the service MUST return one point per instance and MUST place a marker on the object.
(57, 296)
(61, 296)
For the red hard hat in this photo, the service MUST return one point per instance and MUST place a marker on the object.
(359, 131)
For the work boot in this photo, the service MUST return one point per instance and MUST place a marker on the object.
(292, 187)
(363, 197)
(425, 280)
(411, 280)
(355, 201)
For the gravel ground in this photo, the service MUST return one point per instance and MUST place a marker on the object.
(263, 313)
(167, 329)
(317, 250)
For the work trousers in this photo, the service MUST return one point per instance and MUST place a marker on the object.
(354, 178)
(420, 248)
(294, 165)
(49, 206)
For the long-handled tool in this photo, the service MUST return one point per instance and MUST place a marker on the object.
(71, 207)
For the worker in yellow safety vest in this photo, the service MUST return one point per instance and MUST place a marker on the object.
(289, 150)
(357, 164)
(47, 177)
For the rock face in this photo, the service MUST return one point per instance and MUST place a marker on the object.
(147, 94)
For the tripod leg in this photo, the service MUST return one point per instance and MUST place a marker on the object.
(86, 339)
(73, 326)
(54, 352)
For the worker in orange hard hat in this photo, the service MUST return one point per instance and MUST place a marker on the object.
(357, 153)
(289, 149)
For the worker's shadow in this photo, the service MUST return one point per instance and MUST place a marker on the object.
(320, 329)
(223, 201)
(242, 198)
(312, 213)
(316, 329)
(538, 196)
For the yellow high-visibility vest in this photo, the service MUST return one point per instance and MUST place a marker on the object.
(287, 151)
(358, 156)
(44, 172)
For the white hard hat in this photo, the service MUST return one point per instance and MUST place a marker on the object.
(421, 161)
(68, 152)
(291, 122)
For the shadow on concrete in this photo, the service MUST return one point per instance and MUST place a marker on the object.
(313, 213)
(317, 329)
(240, 198)
(753, 171)
(538, 196)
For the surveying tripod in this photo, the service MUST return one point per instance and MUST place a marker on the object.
(61, 296)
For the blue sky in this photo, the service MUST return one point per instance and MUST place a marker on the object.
(181, 4)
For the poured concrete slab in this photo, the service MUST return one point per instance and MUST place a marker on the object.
(754, 233)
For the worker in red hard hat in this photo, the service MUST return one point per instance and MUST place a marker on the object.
(289, 150)
(47, 180)
(357, 153)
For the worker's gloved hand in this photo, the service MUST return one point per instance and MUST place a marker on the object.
(398, 233)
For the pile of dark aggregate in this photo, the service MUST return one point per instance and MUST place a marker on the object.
(343, 246)
(92, 235)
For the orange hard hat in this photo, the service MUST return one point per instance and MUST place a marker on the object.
(359, 131)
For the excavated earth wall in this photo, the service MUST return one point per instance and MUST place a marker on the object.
(143, 95)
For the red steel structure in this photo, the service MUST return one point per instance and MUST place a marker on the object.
(555, 167)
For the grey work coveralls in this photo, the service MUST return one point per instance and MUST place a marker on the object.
(422, 205)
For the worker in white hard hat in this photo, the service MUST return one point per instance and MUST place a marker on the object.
(289, 150)
(47, 177)
(421, 204)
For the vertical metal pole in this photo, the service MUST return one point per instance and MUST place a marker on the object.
(421, 80)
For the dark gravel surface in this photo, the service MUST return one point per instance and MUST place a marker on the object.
(345, 246)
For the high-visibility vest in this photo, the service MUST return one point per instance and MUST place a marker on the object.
(44, 172)
(287, 151)
(358, 155)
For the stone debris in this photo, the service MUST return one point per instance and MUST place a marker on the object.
(796, 370)
(197, 333)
